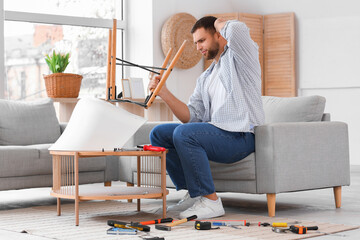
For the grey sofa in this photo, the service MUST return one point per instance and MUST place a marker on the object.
(298, 148)
(27, 129)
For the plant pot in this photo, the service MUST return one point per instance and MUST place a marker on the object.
(63, 85)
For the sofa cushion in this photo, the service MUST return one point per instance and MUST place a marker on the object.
(24, 123)
(294, 109)
(18, 161)
(31, 160)
(241, 170)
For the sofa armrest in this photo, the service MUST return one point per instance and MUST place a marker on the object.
(301, 156)
(62, 126)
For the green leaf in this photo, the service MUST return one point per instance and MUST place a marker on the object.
(57, 62)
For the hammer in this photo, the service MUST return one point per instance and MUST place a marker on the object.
(168, 226)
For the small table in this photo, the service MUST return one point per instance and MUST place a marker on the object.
(66, 180)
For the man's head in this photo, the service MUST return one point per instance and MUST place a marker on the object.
(206, 37)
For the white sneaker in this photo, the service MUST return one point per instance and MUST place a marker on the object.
(183, 204)
(204, 208)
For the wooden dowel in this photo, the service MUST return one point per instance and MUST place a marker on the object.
(113, 62)
(108, 73)
(167, 58)
(76, 163)
(166, 74)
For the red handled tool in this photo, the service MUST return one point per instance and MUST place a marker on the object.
(152, 148)
(162, 220)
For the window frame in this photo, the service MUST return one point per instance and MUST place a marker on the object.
(55, 20)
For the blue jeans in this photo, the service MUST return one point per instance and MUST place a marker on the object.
(192, 145)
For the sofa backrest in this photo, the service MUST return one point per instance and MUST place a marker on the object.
(293, 109)
(26, 123)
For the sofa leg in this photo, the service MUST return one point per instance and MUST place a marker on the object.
(271, 203)
(107, 184)
(337, 195)
(129, 185)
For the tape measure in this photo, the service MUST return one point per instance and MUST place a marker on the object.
(203, 226)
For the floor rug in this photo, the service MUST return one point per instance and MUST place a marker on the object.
(43, 221)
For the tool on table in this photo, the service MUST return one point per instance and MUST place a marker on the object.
(276, 224)
(175, 223)
(199, 225)
(120, 224)
(162, 220)
(126, 149)
(151, 148)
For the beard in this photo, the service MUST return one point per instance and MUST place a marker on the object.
(213, 51)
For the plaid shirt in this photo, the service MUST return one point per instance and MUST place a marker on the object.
(240, 73)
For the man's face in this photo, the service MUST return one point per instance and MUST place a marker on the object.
(207, 43)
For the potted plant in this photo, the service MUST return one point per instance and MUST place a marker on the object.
(59, 84)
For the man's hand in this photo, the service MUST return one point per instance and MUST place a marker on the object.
(179, 108)
(219, 24)
(154, 81)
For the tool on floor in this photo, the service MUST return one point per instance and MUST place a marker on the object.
(162, 220)
(175, 223)
(121, 231)
(152, 238)
(301, 229)
(276, 224)
(120, 224)
(227, 222)
(265, 224)
(199, 225)
(151, 148)
(280, 230)
(295, 229)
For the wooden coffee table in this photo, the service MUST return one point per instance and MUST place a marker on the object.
(66, 180)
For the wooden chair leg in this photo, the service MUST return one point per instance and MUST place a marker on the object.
(337, 196)
(271, 197)
(129, 185)
(107, 184)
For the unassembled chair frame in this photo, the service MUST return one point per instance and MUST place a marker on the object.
(111, 71)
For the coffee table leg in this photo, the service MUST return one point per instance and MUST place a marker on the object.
(58, 206)
(57, 180)
(76, 163)
(138, 179)
(163, 182)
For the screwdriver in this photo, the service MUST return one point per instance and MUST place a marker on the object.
(162, 220)
(137, 226)
(152, 148)
(276, 224)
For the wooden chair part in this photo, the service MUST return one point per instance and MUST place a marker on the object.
(166, 74)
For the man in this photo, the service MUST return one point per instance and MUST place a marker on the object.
(219, 119)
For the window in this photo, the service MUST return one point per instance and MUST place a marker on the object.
(105, 9)
(30, 34)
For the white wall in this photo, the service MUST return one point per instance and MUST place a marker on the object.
(327, 53)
